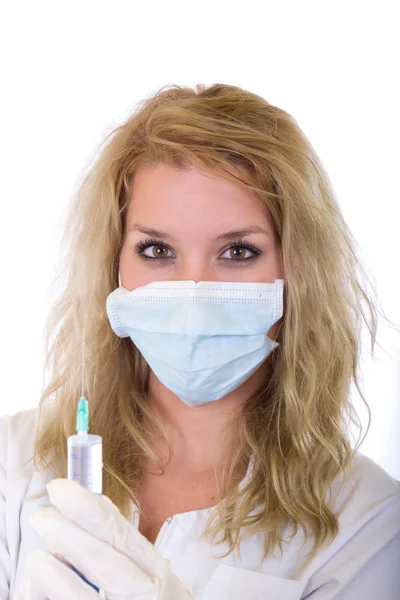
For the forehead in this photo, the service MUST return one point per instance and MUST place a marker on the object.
(163, 196)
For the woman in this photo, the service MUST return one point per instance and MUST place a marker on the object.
(223, 405)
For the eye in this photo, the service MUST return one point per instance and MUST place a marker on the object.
(238, 253)
(153, 250)
(156, 251)
(241, 251)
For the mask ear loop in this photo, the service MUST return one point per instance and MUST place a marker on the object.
(119, 280)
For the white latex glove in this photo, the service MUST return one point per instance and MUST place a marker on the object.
(90, 533)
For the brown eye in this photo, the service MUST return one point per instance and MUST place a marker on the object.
(159, 251)
(153, 250)
(238, 253)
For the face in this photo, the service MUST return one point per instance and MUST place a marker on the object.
(188, 225)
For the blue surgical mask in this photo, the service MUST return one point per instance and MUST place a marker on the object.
(202, 340)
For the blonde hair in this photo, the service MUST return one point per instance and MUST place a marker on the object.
(296, 426)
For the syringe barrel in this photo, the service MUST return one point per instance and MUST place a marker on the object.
(85, 461)
(85, 465)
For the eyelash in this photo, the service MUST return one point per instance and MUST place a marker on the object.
(141, 246)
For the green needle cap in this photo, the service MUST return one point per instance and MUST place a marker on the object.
(82, 415)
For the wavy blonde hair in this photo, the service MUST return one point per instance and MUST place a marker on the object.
(296, 426)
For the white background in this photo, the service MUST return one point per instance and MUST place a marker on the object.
(72, 70)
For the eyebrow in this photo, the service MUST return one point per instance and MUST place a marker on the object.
(236, 233)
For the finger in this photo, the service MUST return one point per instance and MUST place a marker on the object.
(99, 516)
(49, 579)
(101, 564)
(30, 589)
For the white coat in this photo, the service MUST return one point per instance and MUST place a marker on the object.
(362, 563)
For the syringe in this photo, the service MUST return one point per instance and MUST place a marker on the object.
(85, 452)
(85, 462)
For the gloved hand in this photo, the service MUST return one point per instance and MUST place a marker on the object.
(90, 533)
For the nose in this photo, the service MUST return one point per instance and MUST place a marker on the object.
(195, 271)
